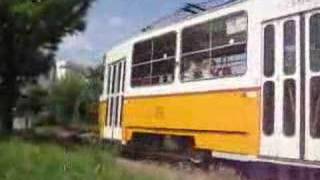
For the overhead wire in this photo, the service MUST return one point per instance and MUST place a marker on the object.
(185, 12)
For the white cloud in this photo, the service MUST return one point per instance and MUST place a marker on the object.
(76, 43)
(85, 62)
(79, 49)
(115, 21)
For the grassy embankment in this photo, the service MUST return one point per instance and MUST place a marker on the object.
(23, 160)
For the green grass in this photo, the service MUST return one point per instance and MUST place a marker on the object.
(22, 160)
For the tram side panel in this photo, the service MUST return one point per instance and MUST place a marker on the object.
(225, 121)
(102, 117)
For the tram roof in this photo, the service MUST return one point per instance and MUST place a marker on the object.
(120, 50)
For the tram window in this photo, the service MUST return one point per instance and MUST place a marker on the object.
(229, 30)
(111, 110)
(109, 79)
(113, 79)
(142, 52)
(119, 67)
(289, 44)
(315, 43)
(116, 105)
(164, 46)
(315, 107)
(269, 50)
(107, 122)
(162, 71)
(124, 75)
(196, 66)
(289, 107)
(159, 69)
(196, 38)
(106, 115)
(268, 108)
(223, 45)
(141, 75)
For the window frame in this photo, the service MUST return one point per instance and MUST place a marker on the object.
(169, 58)
(240, 12)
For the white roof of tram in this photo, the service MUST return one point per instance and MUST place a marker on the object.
(121, 50)
(261, 9)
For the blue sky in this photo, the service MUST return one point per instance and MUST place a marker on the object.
(109, 22)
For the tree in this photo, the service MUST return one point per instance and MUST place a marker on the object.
(63, 97)
(87, 103)
(30, 31)
(33, 102)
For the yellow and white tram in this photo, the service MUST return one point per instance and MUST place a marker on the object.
(241, 81)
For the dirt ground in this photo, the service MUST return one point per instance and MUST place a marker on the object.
(168, 172)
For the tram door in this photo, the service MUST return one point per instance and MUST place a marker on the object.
(115, 94)
(281, 90)
(312, 87)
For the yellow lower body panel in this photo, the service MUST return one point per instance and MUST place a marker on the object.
(102, 117)
(218, 121)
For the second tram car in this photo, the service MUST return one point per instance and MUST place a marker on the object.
(241, 81)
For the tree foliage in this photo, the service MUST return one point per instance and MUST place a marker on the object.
(33, 102)
(64, 96)
(70, 100)
(30, 32)
(74, 98)
(87, 104)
